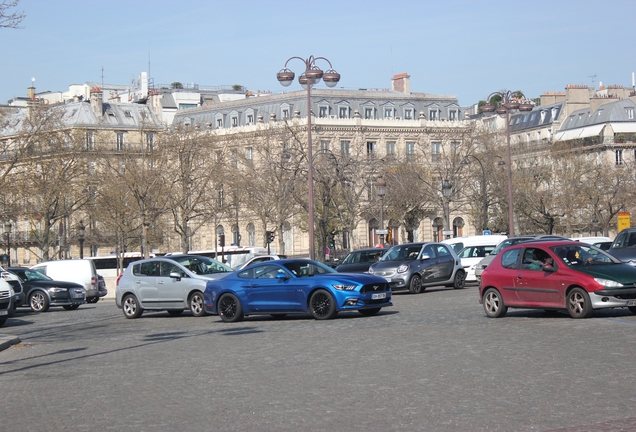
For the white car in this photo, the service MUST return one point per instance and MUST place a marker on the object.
(471, 256)
(257, 259)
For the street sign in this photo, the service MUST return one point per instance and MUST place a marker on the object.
(623, 221)
(447, 232)
(384, 231)
(487, 232)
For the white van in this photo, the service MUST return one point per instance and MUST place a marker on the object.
(81, 271)
(471, 250)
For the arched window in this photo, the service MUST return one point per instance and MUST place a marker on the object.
(438, 228)
(251, 234)
(458, 227)
(287, 239)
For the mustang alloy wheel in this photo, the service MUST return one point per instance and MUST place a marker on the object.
(322, 306)
(230, 308)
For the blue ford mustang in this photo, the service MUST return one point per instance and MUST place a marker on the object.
(281, 287)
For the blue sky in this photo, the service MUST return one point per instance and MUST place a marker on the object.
(454, 47)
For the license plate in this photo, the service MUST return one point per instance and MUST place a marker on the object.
(378, 296)
(631, 303)
(76, 295)
(4, 313)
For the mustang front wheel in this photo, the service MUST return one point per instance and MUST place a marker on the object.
(230, 308)
(322, 305)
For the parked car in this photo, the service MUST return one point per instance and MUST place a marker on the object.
(81, 271)
(416, 266)
(16, 284)
(289, 286)
(174, 283)
(359, 261)
(509, 242)
(555, 275)
(471, 256)
(41, 291)
(603, 243)
(258, 259)
(624, 246)
(459, 243)
(7, 299)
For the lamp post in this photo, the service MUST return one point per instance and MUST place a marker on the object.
(81, 231)
(508, 102)
(7, 232)
(312, 76)
(595, 225)
(447, 187)
(380, 190)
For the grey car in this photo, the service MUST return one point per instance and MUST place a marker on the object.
(416, 266)
(511, 242)
(172, 283)
(359, 261)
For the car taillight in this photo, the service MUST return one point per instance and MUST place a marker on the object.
(94, 281)
(118, 278)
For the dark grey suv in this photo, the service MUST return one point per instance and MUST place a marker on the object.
(624, 246)
(416, 266)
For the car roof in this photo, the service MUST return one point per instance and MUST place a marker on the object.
(547, 243)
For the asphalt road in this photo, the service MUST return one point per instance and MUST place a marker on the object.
(432, 362)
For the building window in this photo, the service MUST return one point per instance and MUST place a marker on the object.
(370, 149)
(452, 114)
(248, 153)
(619, 157)
(250, 119)
(234, 121)
(368, 113)
(390, 148)
(410, 148)
(324, 146)
(285, 114)
(454, 145)
(120, 141)
(432, 114)
(90, 140)
(150, 141)
(436, 151)
(408, 114)
(234, 158)
(344, 147)
(630, 113)
(219, 123)
(322, 112)
(388, 112)
(343, 112)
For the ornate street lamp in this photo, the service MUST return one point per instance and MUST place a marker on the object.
(380, 190)
(310, 77)
(81, 232)
(447, 188)
(595, 225)
(7, 232)
(509, 102)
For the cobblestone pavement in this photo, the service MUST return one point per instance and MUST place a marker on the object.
(432, 362)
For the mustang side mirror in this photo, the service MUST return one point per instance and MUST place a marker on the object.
(281, 275)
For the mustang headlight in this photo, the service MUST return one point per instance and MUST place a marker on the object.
(609, 283)
(343, 287)
(402, 268)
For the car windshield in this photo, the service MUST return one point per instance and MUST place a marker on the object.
(577, 255)
(30, 275)
(308, 268)
(353, 257)
(475, 251)
(402, 253)
(201, 265)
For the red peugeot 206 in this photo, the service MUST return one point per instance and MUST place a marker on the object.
(556, 275)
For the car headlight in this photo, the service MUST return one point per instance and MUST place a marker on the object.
(402, 268)
(371, 271)
(56, 289)
(11, 292)
(609, 283)
(343, 287)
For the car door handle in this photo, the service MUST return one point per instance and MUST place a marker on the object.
(519, 277)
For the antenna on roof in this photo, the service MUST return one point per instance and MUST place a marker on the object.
(102, 76)
(593, 78)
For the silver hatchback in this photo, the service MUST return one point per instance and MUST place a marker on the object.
(172, 283)
(416, 266)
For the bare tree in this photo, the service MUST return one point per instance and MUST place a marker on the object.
(9, 19)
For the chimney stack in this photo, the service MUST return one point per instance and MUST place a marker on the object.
(97, 102)
(401, 83)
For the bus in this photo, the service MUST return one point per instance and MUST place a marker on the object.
(234, 256)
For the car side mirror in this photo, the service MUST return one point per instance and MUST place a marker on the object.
(425, 257)
(549, 268)
(175, 275)
(281, 275)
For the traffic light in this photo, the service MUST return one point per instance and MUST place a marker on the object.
(222, 240)
(332, 241)
(270, 236)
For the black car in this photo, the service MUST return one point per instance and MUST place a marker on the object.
(360, 260)
(41, 292)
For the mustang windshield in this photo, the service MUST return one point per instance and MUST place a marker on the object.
(308, 268)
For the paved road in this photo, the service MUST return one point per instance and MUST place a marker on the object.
(432, 362)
